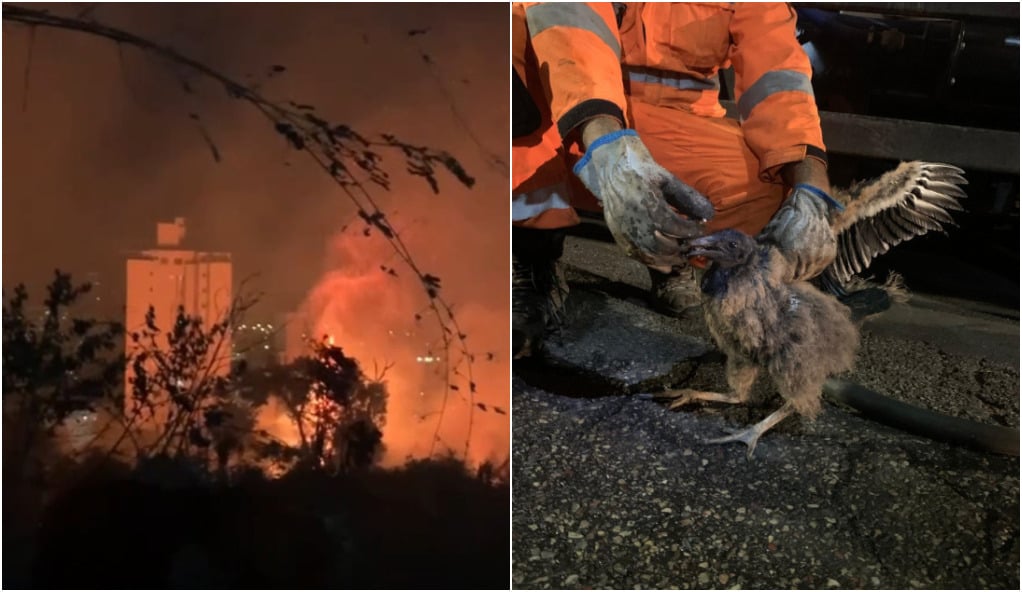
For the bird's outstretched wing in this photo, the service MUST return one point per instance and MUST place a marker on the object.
(909, 201)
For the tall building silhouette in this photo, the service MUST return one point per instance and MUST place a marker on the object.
(170, 277)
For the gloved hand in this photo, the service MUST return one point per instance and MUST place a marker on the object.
(635, 192)
(801, 230)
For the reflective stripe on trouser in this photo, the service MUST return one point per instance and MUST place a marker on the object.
(542, 193)
(711, 155)
(544, 207)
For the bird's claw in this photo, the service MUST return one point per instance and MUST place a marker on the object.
(678, 397)
(749, 437)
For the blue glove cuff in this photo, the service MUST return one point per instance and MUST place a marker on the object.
(605, 139)
(827, 199)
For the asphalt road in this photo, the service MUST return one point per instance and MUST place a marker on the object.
(611, 490)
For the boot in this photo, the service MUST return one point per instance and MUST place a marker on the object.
(538, 287)
(676, 294)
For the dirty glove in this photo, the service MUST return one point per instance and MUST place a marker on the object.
(635, 192)
(801, 230)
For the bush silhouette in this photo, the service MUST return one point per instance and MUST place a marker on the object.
(428, 524)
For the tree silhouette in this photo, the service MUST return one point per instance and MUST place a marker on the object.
(182, 394)
(54, 363)
(184, 397)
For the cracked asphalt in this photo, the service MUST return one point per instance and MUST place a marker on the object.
(612, 490)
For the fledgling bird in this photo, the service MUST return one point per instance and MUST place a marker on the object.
(766, 318)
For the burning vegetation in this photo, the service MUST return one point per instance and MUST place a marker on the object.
(188, 456)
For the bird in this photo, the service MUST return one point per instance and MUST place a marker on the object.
(765, 318)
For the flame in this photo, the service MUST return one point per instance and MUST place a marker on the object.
(273, 418)
(384, 322)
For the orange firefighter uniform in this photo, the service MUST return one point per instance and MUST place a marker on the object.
(671, 57)
(569, 56)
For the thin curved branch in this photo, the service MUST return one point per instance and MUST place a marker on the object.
(28, 69)
(494, 160)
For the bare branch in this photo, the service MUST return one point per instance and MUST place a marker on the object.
(492, 159)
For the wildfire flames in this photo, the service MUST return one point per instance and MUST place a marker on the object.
(384, 321)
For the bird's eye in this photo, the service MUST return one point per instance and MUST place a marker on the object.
(733, 244)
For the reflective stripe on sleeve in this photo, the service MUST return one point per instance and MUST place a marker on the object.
(579, 16)
(769, 84)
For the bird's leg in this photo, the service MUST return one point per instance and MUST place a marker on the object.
(741, 375)
(750, 436)
(685, 396)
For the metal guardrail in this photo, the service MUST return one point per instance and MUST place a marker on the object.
(949, 10)
(878, 137)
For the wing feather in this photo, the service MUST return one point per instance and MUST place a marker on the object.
(887, 229)
(910, 201)
(844, 269)
(853, 248)
(935, 213)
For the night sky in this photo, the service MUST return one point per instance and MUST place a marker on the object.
(99, 146)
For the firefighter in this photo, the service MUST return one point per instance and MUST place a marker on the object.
(585, 66)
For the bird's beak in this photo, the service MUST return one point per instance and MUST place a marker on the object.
(704, 246)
